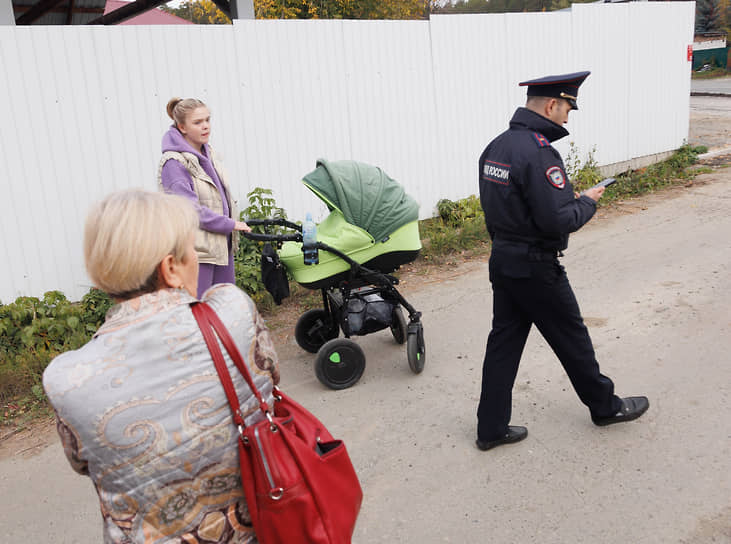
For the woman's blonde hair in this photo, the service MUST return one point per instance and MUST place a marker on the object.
(129, 233)
(179, 108)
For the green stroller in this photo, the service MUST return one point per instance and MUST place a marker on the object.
(372, 229)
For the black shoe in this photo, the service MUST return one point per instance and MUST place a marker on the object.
(514, 434)
(632, 408)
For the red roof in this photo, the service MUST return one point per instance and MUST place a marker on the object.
(151, 17)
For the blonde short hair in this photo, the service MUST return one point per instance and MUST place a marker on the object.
(129, 233)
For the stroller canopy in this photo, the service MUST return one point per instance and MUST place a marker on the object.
(364, 194)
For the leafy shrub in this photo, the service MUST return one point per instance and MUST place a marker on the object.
(655, 176)
(583, 174)
(95, 305)
(459, 226)
(33, 331)
(456, 213)
(247, 259)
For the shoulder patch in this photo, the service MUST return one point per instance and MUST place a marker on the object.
(541, 139)
(556, 177)
(497, 172)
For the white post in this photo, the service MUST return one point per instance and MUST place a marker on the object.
(240, 9)
(6, 12)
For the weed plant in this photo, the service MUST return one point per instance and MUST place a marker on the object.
(247, 260)
(460, 226)
(713, 73)
(634, 183)
(32, 332)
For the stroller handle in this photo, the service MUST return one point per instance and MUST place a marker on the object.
(272, 237)
(279, 222)
(295, 237)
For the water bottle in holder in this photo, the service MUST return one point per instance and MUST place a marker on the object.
(309, 240)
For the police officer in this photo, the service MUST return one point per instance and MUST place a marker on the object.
(530, 209)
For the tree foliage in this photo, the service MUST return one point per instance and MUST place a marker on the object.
(202, 12)
(206, 12)
(341, 9)
(501, 6)
(708, 16)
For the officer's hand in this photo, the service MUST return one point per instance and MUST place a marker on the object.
(595, 193)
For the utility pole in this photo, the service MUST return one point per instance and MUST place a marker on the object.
(241, 9)
(6, 13)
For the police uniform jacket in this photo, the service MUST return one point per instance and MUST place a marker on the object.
(524, 191)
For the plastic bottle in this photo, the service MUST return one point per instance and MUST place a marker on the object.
(309, 240)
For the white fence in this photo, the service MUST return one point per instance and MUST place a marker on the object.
(82, 108)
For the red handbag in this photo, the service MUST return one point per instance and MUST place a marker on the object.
(299, 482)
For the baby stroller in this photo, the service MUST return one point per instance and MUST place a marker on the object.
(371, 230)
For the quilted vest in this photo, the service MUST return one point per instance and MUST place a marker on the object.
(212, 247)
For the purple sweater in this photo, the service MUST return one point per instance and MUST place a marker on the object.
(176, 179)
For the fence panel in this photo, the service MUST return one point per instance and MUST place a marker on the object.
(84, 107)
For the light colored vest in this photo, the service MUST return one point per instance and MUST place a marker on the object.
(212, 247)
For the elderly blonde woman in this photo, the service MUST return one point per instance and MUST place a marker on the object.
(140, 409)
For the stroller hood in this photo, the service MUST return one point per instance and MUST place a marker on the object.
(365, 195)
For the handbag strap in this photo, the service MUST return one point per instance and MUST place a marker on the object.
(208, 321)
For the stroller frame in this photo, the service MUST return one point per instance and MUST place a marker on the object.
(340, 362)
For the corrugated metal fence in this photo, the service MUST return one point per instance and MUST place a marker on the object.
(83, 107)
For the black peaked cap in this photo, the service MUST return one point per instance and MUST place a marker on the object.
(564, 86)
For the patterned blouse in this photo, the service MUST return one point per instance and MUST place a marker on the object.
(141, 411)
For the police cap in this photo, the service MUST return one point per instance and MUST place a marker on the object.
(564, 86)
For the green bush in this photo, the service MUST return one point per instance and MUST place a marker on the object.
(456, 213)
(583, 174)
(247, 259)
(460, 226)
(656, 176)
(33, 331)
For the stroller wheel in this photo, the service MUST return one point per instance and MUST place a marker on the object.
(398, 325)
(340, 363)
(415, 348)
(314, 328)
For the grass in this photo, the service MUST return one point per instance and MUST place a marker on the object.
(676, 170)
(458, 233)
(713, 73)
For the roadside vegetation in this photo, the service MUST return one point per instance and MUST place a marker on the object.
(713, 72)
(35, 330)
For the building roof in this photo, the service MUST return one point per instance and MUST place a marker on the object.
(81, 12)
(154, 16)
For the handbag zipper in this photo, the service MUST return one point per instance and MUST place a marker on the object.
(275, 492)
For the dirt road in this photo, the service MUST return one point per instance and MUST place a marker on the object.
(710, 122)
(653, 282)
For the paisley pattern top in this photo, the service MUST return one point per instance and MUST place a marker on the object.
(141, 411)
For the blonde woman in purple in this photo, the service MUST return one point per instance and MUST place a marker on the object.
(190, 168)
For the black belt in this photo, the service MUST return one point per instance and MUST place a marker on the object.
(535, 252)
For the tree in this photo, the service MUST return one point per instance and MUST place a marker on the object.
(707, 16)
(501, 6)
(726, 11)
(202, 12)
(341, 9)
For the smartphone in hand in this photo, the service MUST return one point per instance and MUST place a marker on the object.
(605, 182)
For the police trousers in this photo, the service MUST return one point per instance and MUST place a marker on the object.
(535, 290)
